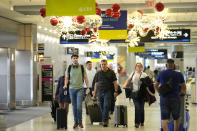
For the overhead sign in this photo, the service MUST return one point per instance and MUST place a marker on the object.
(136, 49)
(175, 35)
(154, 53)
(74, 38)
(113, 28)
(70, 7)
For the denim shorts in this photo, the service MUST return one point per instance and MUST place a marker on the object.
(170, 106)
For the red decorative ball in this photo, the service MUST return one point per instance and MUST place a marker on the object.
(130, 26)
(159, 7)
(80, 19)
(87, 29)
(54, 21)
(96, 5)
(98, 11)
(109, 12)
(83, 32)
(139, 11)
(115, 7)
(158, 29)
(43, 12)
(95, 29)
(116, 14)
(145, 29)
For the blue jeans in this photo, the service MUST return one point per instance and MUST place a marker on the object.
(139, 111)
(104, 99)
(76, 96)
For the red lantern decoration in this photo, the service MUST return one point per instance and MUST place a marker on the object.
(109, 12)
(95, 29)
(145, 29)
(159, 7)
(87, 29)
(83, 32)
(116, 15)
(43, 12)
(115, 7)
(130, 26)
(139, 11)
(54, 21)
(98, 11)
(80, 19)
(158, 29)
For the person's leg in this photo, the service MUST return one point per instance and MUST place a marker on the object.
(61, 105)
(107, 106)
(67, 108)
(176, 108)
(164, 125)
(101, 103)
(177, 125)
(165, 113)
(74, 105)
(137, 112)
(80, 95)
(142, 114)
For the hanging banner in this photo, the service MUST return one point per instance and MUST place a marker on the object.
(136, 49)
(70, 7)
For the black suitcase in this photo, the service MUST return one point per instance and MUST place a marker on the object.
(94, 112)
(61, 118)
(54, 105)
(120, 115)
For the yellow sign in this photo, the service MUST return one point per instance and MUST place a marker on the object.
(136, 49)
(112, 34)
(70, 7)
(99, 60)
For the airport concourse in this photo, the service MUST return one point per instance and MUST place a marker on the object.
(98, 65)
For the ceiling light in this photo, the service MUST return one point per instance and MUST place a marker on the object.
(45, 29)
(39, 27)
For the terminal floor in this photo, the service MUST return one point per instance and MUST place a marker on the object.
(152, 121)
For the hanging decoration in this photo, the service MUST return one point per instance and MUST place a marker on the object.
(114, 11)
(139, 25)
(43, 12)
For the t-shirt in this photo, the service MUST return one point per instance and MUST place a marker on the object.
(165, 75)
(105, 80)
(136, 80)
(76, 79)
(90, 74)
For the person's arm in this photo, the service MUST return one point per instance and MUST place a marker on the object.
(183, 89)
(127, 82)
(95, 90)
(116, 88)
(57, 90)
(86, 80)
(66, 82)
(156, 86)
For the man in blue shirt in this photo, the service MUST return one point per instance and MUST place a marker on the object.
(170, 103)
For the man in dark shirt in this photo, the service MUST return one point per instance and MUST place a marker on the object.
(170, 103)
(105, 80)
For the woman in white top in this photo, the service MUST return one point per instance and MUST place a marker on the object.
(139, 103)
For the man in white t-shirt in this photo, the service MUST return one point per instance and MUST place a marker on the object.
(90, 74)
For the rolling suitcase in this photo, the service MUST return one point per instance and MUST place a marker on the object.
(54, 105)
(120, 115)
(61, 118)
(94, 112)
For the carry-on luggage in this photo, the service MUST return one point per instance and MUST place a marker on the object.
(120, 115)
(61, 118)
(54, 105)
(94, 112)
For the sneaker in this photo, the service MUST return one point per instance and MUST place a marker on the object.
(75, 125)
(105, 124)
(80, 125)
(136, 125)
(142, 124)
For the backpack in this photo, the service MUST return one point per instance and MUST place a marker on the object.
(82, 70)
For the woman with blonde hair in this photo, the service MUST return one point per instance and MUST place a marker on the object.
(134, 78)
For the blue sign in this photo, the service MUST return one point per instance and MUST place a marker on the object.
(110, 23)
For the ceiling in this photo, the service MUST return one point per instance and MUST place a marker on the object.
(181, 13)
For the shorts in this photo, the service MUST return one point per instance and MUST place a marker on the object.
(64, 99)
(170, 106)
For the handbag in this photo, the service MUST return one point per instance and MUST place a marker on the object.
(167, 87)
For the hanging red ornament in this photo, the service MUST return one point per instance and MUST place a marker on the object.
(95, 29)
(54, 21)
(159, 7)
(87, 29)
(116, 15)
(80, 19)
(98, 11)
(83, 32)
(109, 12)
(145, 29)
(115, 7)
(96, 5)
(158, 29)
(130, 26)
(43, 12)
(139, 11)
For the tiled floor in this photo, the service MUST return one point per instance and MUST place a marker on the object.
(152, 121)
